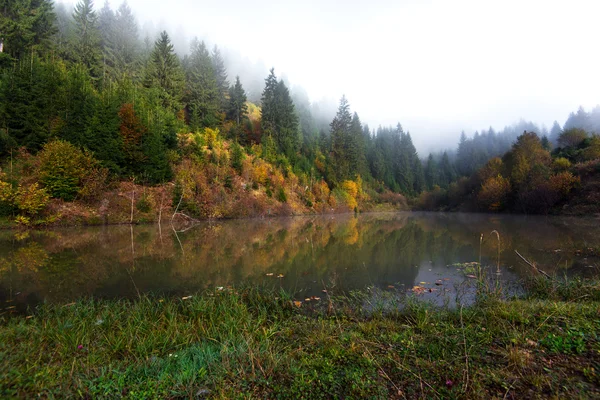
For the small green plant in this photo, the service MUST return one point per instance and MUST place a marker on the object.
(237, 157)
(570, 342)
(281, 196)
(143, 205)
(228, 183)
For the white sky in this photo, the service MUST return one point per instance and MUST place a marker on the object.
(437, 66)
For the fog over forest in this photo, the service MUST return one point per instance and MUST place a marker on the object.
(437, 67)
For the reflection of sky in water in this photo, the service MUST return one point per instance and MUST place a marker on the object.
(391, 252)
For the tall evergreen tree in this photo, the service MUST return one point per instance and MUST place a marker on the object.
(164, 72)
(25, 26)
(278, 116)
(555, 132)
(431, 172)
(86, 37)
(124, 46)
(340, 139)
(202, 94)
(447, 172)
(237, 108)
(356, 149)
(220, 76)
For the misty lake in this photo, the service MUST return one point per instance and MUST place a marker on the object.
(389, 251)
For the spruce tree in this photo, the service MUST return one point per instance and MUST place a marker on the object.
(86, 37)
(164, 72)
(25, 26)
(356, 149)
(237, 108)
(447, 172)
(340, 134)
(124, 43)
(220, 76)
(202, 94)
(431, 172)
(278, 116)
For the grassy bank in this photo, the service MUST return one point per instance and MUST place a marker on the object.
(253, 343)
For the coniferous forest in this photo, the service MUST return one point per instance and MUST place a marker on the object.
(101, 125)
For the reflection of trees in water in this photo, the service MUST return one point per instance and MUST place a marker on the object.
(538, 237)
(373, 249)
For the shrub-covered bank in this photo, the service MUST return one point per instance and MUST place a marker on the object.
(252, 343)
(214, 178)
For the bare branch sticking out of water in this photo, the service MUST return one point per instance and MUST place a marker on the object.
(532, 265)
(498, 259)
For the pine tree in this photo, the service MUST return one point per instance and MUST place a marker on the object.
(164, 72)
(278, 116)
(221, 76)
(202, 94)
(25, 26)
(124, 47)
(356, 149)
(431, 172)
(86, 37)
(447, 172)
(405, 161)
(340, 134)
(463, 155)
(555, 132)
(237, 108)
(268, 111)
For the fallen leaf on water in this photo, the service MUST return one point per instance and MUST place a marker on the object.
(423, 283)
(324, 291)
(298, 304)
(270, 274)
(186, 297)
(471, 276)
(418, 289)
(29, 317)
(307, 299)
(315, 298)
(280, 276)
(390, 286)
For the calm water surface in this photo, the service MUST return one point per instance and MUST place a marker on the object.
(392, 252)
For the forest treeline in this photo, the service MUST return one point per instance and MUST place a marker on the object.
(87, 104)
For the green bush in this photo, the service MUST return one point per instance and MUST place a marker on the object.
(32, 199)
(63, 168)
(7, 194)
(281, 196)
(143, 205)
(237, 157)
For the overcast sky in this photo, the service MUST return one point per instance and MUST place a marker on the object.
(437, 66)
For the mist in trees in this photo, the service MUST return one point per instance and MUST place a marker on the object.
(90, 76)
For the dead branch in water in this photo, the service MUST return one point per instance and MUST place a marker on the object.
(532, 265)
(177, 212)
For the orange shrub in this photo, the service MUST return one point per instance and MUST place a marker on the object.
(494, 193)
(321, 191)
(260, 172)
(563, 182)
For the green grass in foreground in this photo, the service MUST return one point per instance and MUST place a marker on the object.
(258, 344)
